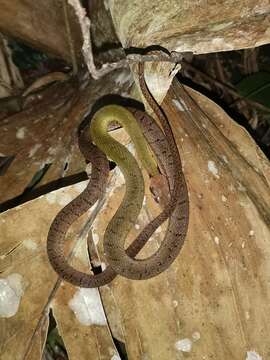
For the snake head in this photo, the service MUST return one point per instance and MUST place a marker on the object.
(160, 189)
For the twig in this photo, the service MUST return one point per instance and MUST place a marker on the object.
(6, 85)
(220, 68)
(85, 24)
(70, 40)
(9, 71)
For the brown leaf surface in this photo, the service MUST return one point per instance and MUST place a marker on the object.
(34, 137)
(23, 252)
(212, 303)
(46, 133)
(200, 27)
(42, 25)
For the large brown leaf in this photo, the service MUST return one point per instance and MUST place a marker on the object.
(213, 302)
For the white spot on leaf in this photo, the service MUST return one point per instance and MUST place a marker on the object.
(252, 355)
(52, 150)
(216, 240)
(231, 187)
(88, 169)
(123, 78)
(184, 345)
(247, 315)
(225, 159)
(178, 105)
(220, 43)
(196, 336)
(95, 238)
(11, 291)
(34, 149)
(223, 198)
(87, 307)
(212, 168)
(241, 187)
(131, 148)
(20, 134)
(30, 244)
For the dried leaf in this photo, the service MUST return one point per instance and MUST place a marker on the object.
(213, 300)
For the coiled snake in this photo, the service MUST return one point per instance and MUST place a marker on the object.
(122, 261)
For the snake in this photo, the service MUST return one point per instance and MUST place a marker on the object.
(114, 245)
(176, 231)
(87, 198)
(94, 190)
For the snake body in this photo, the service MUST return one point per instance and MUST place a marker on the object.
(72, 211)
(120, 261)
(166, 152)
(60, 225)
(95, 188)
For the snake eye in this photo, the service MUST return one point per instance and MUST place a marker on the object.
(155, 194)
(112, 164)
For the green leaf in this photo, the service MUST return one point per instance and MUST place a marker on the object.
(256, 87)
